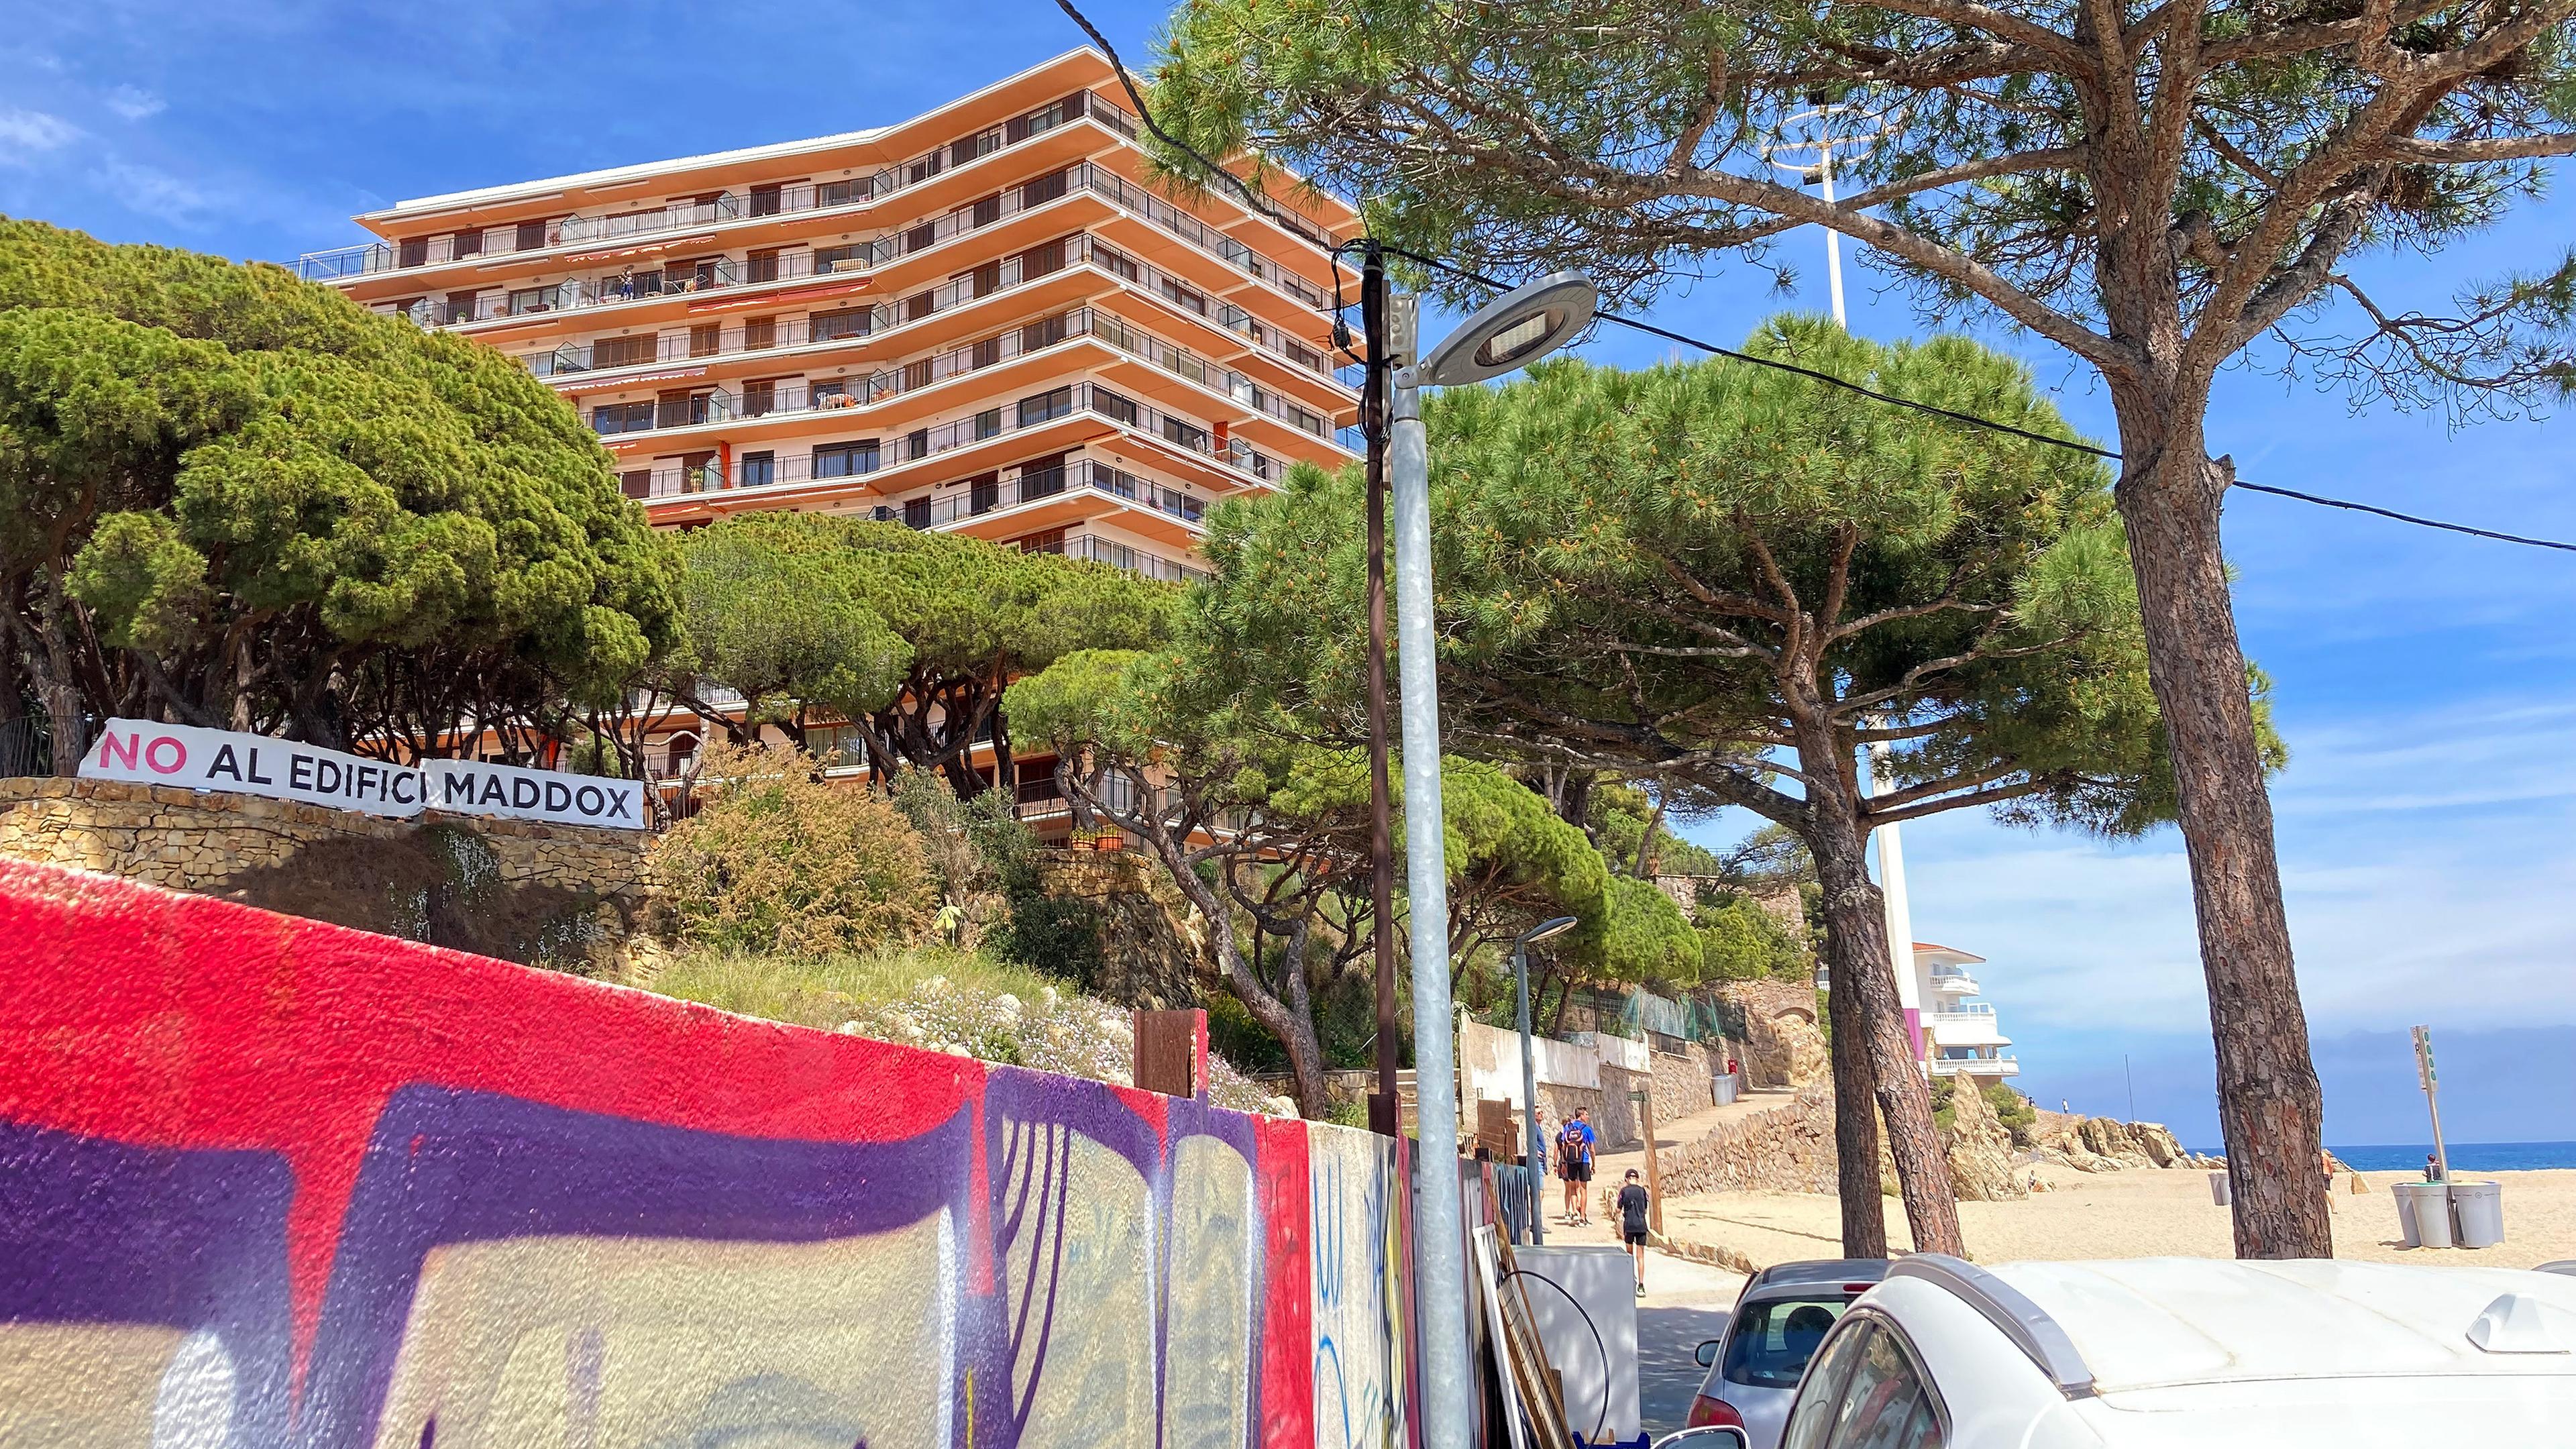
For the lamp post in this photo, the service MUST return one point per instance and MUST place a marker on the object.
(1509, 332)
(1543, 931)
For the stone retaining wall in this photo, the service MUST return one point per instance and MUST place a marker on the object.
(185, 841)
(1789, 1148)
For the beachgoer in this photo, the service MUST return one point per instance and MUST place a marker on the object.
(1574, 1166)
(2432, 1168)
(1632, 1225)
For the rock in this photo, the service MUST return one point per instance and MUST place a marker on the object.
(1979, 1150)
(1281, 1107)
(852, 1028)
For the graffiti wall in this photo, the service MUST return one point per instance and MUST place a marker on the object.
(268, 1182)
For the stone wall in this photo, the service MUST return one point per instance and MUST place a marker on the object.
(181, 840)
(557, 895)
(1151, 952)
(1789, 1148)
(1776, 1020)
(1681, 1081)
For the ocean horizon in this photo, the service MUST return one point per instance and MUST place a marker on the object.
(2464, 1156)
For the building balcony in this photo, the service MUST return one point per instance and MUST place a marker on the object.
(780, 339)
(752, 203)
(829, 462)
(1953, 981)
(853, 261)
(705, 407)
(1995, 1066)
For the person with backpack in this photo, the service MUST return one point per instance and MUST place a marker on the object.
(1574, 1166)
(1632, 1225)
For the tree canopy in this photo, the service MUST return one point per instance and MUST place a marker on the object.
(2155, 186)
(245, 501)
(1713, 575)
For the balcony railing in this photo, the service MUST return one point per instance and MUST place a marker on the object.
(756, 202)
(1967, 1012)
(974, 500)
(712, 340)
(839, 460)
(1093, 547)
(796, 395)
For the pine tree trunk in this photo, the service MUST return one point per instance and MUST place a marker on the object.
(1855, 1121)
(2269, 1104)
(1857, 954)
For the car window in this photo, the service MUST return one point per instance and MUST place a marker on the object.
(1770, 1343)
(1884, 1405)
(1812, 1418)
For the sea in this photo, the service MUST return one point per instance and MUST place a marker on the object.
(2464, 1156)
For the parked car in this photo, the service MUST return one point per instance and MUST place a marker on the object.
(1779, 1320)
(2188, 1353)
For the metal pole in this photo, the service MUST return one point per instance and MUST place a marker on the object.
(1529, 1092)
(1387, 1119)
(1439, 1246)
(1833, 238)
(2432, 1100)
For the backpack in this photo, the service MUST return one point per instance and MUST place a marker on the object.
(1570, 1141)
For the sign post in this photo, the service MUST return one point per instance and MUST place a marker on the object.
(2432, 1101)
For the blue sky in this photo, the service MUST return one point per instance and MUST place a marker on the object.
(2426, 684)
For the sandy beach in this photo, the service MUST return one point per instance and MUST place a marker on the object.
(2134, 1214)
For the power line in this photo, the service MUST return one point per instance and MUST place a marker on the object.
(1252, 197)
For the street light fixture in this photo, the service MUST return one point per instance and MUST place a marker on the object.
(1512, 331)
(1546, 930)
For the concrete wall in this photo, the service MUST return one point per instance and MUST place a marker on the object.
(268, 1182)
(185, 841)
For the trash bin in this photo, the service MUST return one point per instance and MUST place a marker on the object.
(2478, 1208)
(1726, 1088)
(2219, 1192)
(2424, 1214)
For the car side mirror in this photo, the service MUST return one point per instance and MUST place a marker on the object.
(1713, 1436)
(1706, 1353)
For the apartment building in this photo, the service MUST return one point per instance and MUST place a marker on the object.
(985, 319)
(1960, 1035)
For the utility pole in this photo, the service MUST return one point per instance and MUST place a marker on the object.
(1385, 1114)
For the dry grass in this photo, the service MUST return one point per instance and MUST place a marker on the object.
(830, 991)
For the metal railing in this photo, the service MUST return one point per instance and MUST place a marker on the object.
(757, 202)
(974, 500)
(796, 395)
(783, 334)
(1034, 410)
(1966, 1013)
(1093, 547)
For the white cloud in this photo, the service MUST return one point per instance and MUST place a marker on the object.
(135, 103)
(153, 192)
(25, 135)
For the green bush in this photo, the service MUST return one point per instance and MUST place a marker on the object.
(780, 861)
(1740, 941)
(2018, 1114)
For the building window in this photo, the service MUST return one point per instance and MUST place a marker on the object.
(759, 469)
(636, 484)
(1043, 190)
(459, 308)
(1110, 405)
(622, 351)
(761, 265)
(848, 322)
(845, 460)
(632, 417)
(916, 512)
(1040, 260)
(988, 209)
(840, 193)
(1187, 435)
(759, 396)
(1046, 406)
(921, 237)
(531, 237)
(759, 333)
(916, 306)
(767, 199)
(839, 259)
(1051, 541)
(526, 300)
(412, 251)
(988, 424)
(703, 339)
(1045, 332)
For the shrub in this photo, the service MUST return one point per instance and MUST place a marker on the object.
(1740, 941)
(2017, 1112)
(778, 860)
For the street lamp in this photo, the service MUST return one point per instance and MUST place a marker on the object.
(1546, 930)
(1513, 330)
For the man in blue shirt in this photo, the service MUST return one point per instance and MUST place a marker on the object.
(1574, 1166)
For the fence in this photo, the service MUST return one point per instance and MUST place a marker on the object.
(27, 745)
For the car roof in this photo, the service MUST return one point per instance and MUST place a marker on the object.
(1818, 1270)
(2152, 1322)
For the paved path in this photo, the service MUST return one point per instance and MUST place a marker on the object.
(1686, 1302)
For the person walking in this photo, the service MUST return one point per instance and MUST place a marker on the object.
(1633, 1203)
(1574, 1166)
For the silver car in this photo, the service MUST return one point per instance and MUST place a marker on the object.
(1779, 1319)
